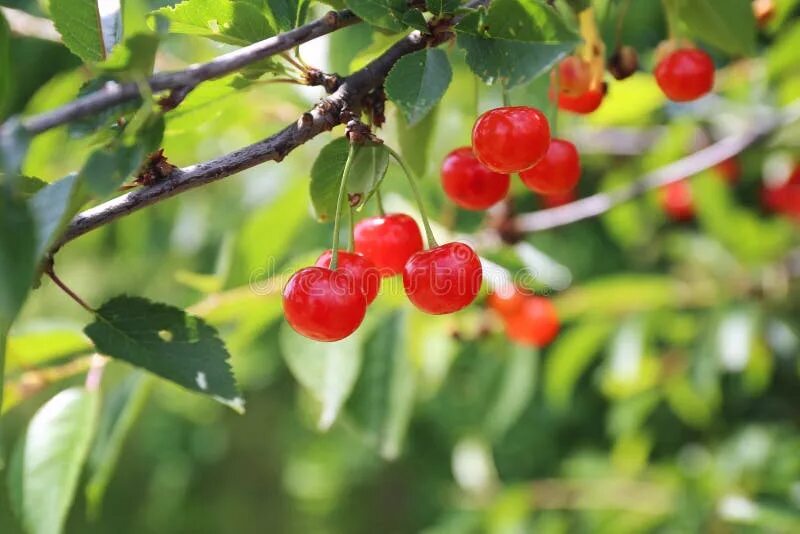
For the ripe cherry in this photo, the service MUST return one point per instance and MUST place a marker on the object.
(323, 305)
(536, 323)
(685, 74)
(730, 170)
(676, 200)
(557, 172)
(388, 241)
(510, 139)
(363, 271)
(469, 184)
(554, 201)
(582, 104)
(506, 301)
(784, 198)
(572, 77)
(443, 279)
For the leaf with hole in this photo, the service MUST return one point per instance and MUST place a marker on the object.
(169, 343)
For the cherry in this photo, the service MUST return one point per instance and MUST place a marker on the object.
(784, 198)
(510, 139)
(322, 304)
(730, 170)
(557, 172)
(469, 184)
(572, 77)
(536, 322)
(388, 241)
(623, 63)
(358, 267)
(582, 104)
(443, 279)
(554, 201)
(685, 74)
(676, 200)
(507, 301)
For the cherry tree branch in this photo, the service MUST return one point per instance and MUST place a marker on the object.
(691, 165)
(185, 80)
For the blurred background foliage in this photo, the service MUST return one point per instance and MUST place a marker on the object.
(669, 401)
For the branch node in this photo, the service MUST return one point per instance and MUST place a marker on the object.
(155, 169)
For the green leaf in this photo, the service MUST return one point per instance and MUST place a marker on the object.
(285, 12)
(107, 119)
(368, 167)
(49, 458)
(441, 7)
(18, 253)
(327, 370)
(14, 143)
(167, 342)
(121, 410)
(386, 14)
(5, 65)
(236, 23)
(35, 348)
(106, 169)
(134, 59)
(78, 22)
(383, 398)
(53, 207)
(515, 390)
(413, 18)
(519, 20)
(728, 25)
(418, 81)
(570, 356)
(415, 141)
(618, 294)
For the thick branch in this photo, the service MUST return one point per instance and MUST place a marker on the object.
(691, 165)
(323, 117)
(113, 93)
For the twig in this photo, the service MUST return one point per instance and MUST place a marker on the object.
(114, 93)
(26, 25)
(691, 165)
(65, 288)
(322, 117)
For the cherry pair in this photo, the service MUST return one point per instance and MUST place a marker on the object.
(528, 319)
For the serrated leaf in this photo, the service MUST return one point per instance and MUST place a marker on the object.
(169, 343)
(236, 23)
(418, 81)
(441, 7)
(386, 14)
(729, 25)
(78, 22)
(327, 370)
(368, 167)
(14, 143)
(519, 20)
(49, 458)
(17, 252)
(415, 141)
(383, 398)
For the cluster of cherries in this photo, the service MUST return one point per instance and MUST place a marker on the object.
(528, 319)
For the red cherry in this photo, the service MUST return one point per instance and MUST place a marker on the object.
(573, 76)
(443, 279)
(388, 241)
(784, 198)
(556, 173)
(582, 104)
(358, 267)
(676, 200)
(469, 184)
(535, 324)
(323, 305)
(685, 74)
(730, 170)
(506, 301)
(510, 139)
(554, 201)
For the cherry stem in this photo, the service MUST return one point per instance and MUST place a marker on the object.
(623, 11)
(506, 96)
(672, 19)
(351, 245)
(337, 218)
(379, 201)
(65, 288)
(411, 180)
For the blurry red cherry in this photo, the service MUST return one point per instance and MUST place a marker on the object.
(469, 184)
(510, 139)
(506, 301)
(676, 200)
(581, 104)
(572, 77)
(730, 170)
(556, 173)
(443, 279)
(322, 304)
(358, 267)
(388, 241)
(685, 74)
(536, 323)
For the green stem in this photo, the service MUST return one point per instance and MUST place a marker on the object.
(351, 245)
(506, 96)
(3, 340)
(337, 218)
(428, 232)
(672, 19)
(379, 201)
(477, 95)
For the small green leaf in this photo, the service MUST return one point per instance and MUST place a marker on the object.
(134, 59)
(385, 14)
(418, 81)
(327, 370)
(14, 143)
(236, 23)
(53, 207)
(167, 342)
(415, 141)
(107, 119)
(49, 458)
(18, 256)
(285, 13)
(441, 7)
(728, 25)
(368, 167)
(78, 22)
(383, 399)
(106, 169)
(413, 18)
